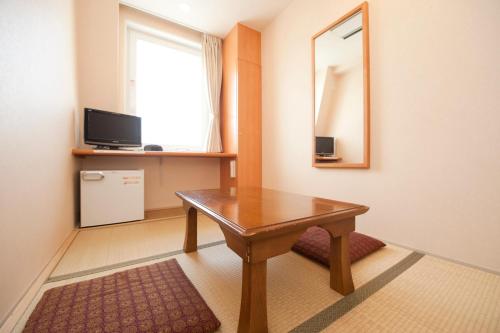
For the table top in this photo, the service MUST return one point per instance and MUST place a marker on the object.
(251, 210)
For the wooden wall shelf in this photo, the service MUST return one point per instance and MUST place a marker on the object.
(328, 158)
(91, 152)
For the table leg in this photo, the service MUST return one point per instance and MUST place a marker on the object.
(340, 265)
(191, 237)
(253, 310)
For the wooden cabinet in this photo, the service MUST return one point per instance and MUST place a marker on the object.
(241, 119)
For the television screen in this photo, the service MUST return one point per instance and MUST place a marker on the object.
(105, 128)
(324, 145)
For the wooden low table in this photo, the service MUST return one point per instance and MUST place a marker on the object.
(259, 224)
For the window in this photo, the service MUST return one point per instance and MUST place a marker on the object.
(165, 89)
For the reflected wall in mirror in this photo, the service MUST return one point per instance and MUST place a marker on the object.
(341, 92)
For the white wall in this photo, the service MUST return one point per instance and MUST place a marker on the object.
(435, 177)
(37, 102)
(97, 55)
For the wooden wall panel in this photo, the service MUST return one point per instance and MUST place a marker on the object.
(225, 179)
(249, 168)
(229, 94)
(248, 44)
(241, 106)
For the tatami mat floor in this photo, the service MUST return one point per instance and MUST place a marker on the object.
(292, 298)
(104, 246)
(433, 295)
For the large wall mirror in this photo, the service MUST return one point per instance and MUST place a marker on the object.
(341, 86)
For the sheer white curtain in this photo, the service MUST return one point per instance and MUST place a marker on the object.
(212, 71)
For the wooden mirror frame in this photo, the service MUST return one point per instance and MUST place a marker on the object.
(363, 8)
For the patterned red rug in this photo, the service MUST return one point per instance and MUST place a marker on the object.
(315, 244)
(154, 298)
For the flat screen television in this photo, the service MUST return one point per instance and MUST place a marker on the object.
(325, 146)
(111, 130)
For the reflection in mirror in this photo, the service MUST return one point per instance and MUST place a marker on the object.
(339, 108)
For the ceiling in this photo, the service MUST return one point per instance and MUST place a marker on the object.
(215, 17)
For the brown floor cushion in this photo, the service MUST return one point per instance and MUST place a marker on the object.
(154, 298)
(315, 244)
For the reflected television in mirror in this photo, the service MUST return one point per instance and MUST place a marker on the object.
(325, 146)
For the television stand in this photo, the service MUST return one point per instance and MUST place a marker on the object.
(331, 158)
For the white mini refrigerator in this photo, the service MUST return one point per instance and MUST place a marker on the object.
(111, 196)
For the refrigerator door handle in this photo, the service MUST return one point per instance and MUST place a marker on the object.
(92, 176)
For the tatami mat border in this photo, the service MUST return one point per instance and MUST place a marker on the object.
(126, 263)
(329, 315)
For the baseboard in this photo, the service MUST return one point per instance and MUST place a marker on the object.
(17, 312)
(159, 213)
(459, 262)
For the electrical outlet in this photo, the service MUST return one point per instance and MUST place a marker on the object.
(232, 169)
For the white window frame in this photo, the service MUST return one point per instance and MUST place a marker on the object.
(135, 32)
